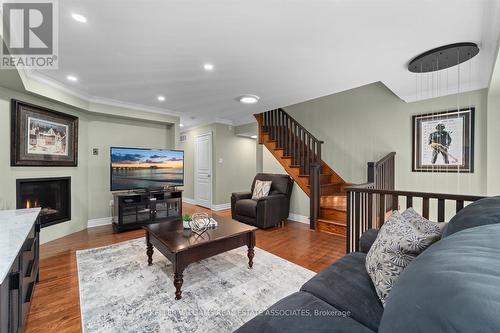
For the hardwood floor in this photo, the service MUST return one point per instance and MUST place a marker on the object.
(56, 306)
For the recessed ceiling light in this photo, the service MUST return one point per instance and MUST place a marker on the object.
(181, 125)
(72, 78)
(161, 98)
(208, 67)
(249, 99)
(79, 18)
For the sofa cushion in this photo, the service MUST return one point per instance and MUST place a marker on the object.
(482, 212)
(398, 242)
(261, 189)
(452, 287)
(347, 286)
(246, 207)
(302, 312)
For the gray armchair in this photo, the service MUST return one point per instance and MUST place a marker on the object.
(268, 211)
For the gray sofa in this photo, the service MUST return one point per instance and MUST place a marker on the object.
(453, 286)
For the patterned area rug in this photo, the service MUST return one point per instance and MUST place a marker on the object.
(119, 292)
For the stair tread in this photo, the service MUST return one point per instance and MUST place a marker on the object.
(331, 222)
(330, 184)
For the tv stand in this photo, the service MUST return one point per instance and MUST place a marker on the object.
(132, 210)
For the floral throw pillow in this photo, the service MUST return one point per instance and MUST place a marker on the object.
(261, 189)
(400, 240)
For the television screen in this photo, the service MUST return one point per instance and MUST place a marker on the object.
(138, 168)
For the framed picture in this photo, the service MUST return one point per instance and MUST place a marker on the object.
(42, 137)
(444, 141)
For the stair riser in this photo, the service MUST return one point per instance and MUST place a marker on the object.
(331, 228)
(333, 214)
(331, 189)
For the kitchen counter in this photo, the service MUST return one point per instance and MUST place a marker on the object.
(15, 226)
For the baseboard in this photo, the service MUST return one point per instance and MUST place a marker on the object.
(298, 218)
(221, 207)
(188, 201)
(99, 222)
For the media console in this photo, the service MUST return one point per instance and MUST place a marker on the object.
(132, 210)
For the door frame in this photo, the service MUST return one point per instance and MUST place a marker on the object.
(210, 135)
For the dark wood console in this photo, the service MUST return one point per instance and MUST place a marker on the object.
(136, 209)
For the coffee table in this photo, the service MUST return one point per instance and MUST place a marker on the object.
(184, 247)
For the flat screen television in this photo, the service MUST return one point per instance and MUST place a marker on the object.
(139, 168)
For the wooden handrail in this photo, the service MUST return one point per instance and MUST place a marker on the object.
(367, 207)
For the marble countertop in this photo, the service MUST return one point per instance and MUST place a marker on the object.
(15, 226)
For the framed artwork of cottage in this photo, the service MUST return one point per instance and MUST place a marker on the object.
(444, 141)
(42, 137)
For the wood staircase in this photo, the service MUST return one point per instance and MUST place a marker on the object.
(299, 152)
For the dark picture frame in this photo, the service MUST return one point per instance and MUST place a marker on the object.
(42, 137)
(444, 141)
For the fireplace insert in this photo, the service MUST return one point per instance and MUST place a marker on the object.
(53, 195)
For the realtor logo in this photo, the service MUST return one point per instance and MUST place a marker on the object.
(30, 38)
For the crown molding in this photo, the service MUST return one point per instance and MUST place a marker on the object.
(35, 76)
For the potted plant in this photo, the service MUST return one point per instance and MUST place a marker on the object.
(186, 219)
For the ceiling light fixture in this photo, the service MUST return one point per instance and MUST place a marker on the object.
(161, 98)
(72, 78)
(249, 99)
(79, 18)
(208, 67)
(181, 125)
(254, 136)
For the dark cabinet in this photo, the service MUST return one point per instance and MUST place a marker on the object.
(17, 288)
(136, 209)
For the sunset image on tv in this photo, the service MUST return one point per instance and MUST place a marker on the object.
(133, 168)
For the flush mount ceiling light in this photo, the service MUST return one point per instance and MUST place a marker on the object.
(72, 78)
(443, 57)
(254, 136)
(181, 125)
(208, 67)
(161, 98)
(249, 99)
(79, 18)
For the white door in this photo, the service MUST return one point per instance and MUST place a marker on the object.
(203, 170)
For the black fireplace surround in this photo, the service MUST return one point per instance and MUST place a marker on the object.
(53, 195)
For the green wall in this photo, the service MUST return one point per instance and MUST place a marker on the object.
(364, 124)
(108, 131)
(90, 179)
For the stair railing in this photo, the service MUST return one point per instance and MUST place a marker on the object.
(302, 148)
(363, 210)
(361, 205)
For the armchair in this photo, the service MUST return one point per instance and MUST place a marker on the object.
(268, 211)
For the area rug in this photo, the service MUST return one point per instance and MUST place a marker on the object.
(119, 292)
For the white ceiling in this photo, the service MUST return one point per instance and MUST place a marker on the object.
(285, 51)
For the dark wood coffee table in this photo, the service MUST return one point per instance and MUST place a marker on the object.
(183, 247)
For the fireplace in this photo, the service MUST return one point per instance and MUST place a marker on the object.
(53, 195)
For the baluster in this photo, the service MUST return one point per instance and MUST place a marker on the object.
(425, 208)
(349, 223)
(370, 210)
(302, 134)
(460, 205)
(356, 221)
(441, 204)
(409, 201)
(308, 138)
(289, 136)
(381, 211)
(395, 204)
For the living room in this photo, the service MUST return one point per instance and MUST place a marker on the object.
(313, 167)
